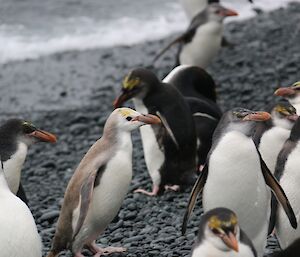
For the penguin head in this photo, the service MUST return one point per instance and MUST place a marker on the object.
(126, 119)
(137, 84)
(24, 131)
(217, 12)
(245, 115)
(221, 229)
(291, 93)
(284, 115)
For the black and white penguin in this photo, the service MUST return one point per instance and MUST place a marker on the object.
(19, 236)
(292, 250)
(270, 135)
(287, 172)
(15, 137)
(292, 94)
(201, 42)
(192, 7)
(236, 177)
(221, 236)
(193, 81)
(198, 87)
(170, 150)
(99, 185)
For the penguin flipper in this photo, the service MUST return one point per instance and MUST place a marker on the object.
(168, 128)
(278, 192)
(86, 193)
(198, 187)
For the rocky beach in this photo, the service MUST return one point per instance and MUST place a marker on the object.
(71, 95)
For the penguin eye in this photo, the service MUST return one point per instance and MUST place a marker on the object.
(216, 231)
(27, 129)
(129, 118)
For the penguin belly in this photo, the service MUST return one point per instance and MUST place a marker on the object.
(289, 181)
(271, 144)
(19, 236)
(154, 156)
(235, 181)
(13, 166)
(107, 199)
(204, 46)
(206, 249)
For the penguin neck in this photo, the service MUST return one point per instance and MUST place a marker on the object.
(140, 105)
(3, 183)
(245, 128)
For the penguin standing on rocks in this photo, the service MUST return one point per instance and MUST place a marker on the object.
(287, 172)
(169, 150)
(270, 135)
(236, 177)
(292, 94)
(99, 185)
(201, 42)
(220, 236)
(19, 236)
(15, 137)
(199, 90)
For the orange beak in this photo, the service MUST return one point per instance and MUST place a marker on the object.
(231, 241)
(43, 136)
(228, 12)
(257, 116)
(147, 119)
(284, 91)
(293, 117)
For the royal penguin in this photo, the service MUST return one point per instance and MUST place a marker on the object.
(236, 177)
(287, 172)
(292, 94)
(220, 235)
(16, 136)
(99, 185)
(169, 150)
(201, 42)
(18, 232)
(271, 134)
(199, 90)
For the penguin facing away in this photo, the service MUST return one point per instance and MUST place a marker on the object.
(99, 185)
(287, 172)
(199, 88)
(220, 235)
(169, 150)
(236, 177)
(292, 94)
(15, 137)
(201, 42)
(270, 135)
(19, 236)
(192, 81)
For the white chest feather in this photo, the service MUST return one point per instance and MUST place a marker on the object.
(204, 46)
(206, 249)
(108, 196)
(13, 167)
(18, 233)
(270, 145)
(235, 181)
(290, 182)
(154, 156)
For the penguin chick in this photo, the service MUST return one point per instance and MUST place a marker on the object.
(270, 135)
(192, 81)
(15, 137)
(236, 177)
(19, 236)
(201, 42)
(169, 150)
(292, 94)
(99, 185)
(220, 236)
(287, 172)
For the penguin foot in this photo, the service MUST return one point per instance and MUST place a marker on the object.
(174, 188)
(154, 192)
